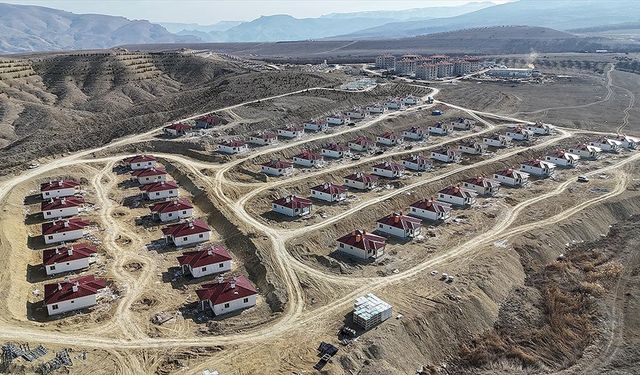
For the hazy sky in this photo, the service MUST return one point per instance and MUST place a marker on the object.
(206, 12)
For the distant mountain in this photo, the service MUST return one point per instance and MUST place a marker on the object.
(415, 13)
(557, 14)
(602, 28)
(287, 28)
(32, 28)
(176, 28)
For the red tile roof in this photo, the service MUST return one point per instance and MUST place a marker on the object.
(186, 228)
(64, 202)
(309, 155)
(292, 128)
(179, 127)
(330, 188)
(482, 181)
(535, 163)
(457, 191)
(362, 141)
(417, 159)
(149, 172)
(291, 201)
(58, 184)
(159, 186)
(389, 166)
(233, 143)
(67, 253)
(398, 220)
(432, 205)
(63, 291)
(210, 119)
(389, 135)
(363, 240)
(171, 206)
(139, 159)
(212, 255)
(60, 226)
(228, 290)
(278, 164)
(415, 129)
(362, 177)
(335, 147)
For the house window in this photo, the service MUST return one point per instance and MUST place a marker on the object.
(50, 237)
(184, 238)
(67, 263)
(201, 235)
(184, 212)
(341, 245)
(203, 269)
(54, 307)
(226, 305)
(52, 268)
(72, 301)
(246, 300)
(157, 194)
(170, 214)
(221, 265)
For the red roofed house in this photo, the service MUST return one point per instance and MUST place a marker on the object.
(335, 150)
(187, 232)
(61, 207)
(463, 123)
(316, 125)
(291, 132)
(160, 190)
(497, 140)
(178, 129)
(292, 206)
(431, 210)
(440, 128)
(399, 225)
(457, 196)
(356, 114)
(174, 209)
(362, 245)
(214, 259)
(472, 147)
(361, 181)
(227, 295)
(375, 108)
(277, 168)
(361, 144)
(264, 139)
(308, 159)
(336, 119)
(67, 258)
(586, 151)
(150, 176)
(208, 121)
(511, 177)
(59, 188)
(417, 163)
(232, 147)
(607, 144)
(415, 133)
(329, 192)
(387, 169)
(63, 230)
(520, 134)
(540, 128)
(447, 155)
(74, 294)
(563, 158)
(141, 162)
(389, 139)
(538, 167)
(482, 185)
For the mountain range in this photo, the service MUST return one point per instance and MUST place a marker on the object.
(33, 28)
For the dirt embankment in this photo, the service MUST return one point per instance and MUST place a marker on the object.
(247, 246)
(563, 315)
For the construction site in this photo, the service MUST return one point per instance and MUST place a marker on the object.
(313, 207)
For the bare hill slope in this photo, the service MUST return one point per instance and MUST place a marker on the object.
(63, 103)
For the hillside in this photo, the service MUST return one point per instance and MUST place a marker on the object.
(485, 40)
(562, 15)
(33, 28)
(67, 102)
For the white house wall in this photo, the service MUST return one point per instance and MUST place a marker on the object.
(58, 193)
(73, 265)
(61, 212)
(63, 236)
(237, 304)
(175, 215)
(71, 305)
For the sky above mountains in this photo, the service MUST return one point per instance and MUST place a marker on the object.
(209, 12)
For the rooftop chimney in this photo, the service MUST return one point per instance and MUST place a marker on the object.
(70, 251)
(210, 251)
(220, 279)
(232, 283)
(65, 223)
(75, 286)
(59, 286)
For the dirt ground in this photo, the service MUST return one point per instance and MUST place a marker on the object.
(543, 275)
